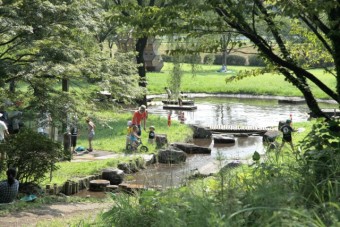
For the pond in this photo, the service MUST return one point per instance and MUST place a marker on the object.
(221, 110)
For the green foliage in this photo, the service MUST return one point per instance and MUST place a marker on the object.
(167, 58)
(321, 161)
(191, 59)
(32, 154)
(231, 60)
(236, 60)
(209, 59)
(255, 60)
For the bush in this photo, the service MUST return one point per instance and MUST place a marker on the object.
(33, 154)
(255, 60)
(218, 59)
(192, 59)
(209, 59)
(236, 60)
(167, 58)
(231, 60)
(321, 161)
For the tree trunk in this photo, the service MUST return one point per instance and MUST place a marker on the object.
(140, 46)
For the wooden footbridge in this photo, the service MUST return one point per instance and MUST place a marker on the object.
(240, 129)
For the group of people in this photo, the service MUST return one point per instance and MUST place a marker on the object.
(134, 130)
(75, 132)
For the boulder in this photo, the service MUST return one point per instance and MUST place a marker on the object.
(130, 167)
(171, 155)
(201, 132)
(270, 136)
(223, 139)
(161, 140)
(98, 185)
(115, 176)
(190, 148)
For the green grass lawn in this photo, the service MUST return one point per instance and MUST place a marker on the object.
(207, 80)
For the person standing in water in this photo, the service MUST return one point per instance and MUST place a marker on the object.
(90, 128)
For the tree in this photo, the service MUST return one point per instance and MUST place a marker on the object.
(261, 22)
(45, 42)
(276, 49)
(141, 16)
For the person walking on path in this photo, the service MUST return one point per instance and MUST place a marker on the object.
(138, 116)
(287, 130)
(90, 128)
(10, 187)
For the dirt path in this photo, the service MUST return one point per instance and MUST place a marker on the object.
(55, 212)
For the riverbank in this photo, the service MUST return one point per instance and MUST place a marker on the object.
(245, 96)
(206, 79)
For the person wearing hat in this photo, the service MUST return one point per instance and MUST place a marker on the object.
(138, 116)
(152, 134)
(287, 130)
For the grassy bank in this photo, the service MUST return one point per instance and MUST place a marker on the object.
(208, 80)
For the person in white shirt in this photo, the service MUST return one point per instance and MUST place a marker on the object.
(3, 134)
(3, 130)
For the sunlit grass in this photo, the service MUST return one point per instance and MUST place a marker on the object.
(207, 80)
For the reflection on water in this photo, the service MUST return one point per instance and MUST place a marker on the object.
(240, 111)
(228, 111)
(169, 175)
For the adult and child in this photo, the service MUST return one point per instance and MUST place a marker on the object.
(134, 129)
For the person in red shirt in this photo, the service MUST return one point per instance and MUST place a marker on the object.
(140, 115)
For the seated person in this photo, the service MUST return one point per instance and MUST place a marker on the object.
(134, 138)
(10, 187)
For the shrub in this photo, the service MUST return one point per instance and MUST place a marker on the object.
(167, 58)
(209, 59)
(236, 60)
(321, 161)
(255, 60)
(218, 59)
(33, 154)
(192, 59)
(231, 60)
